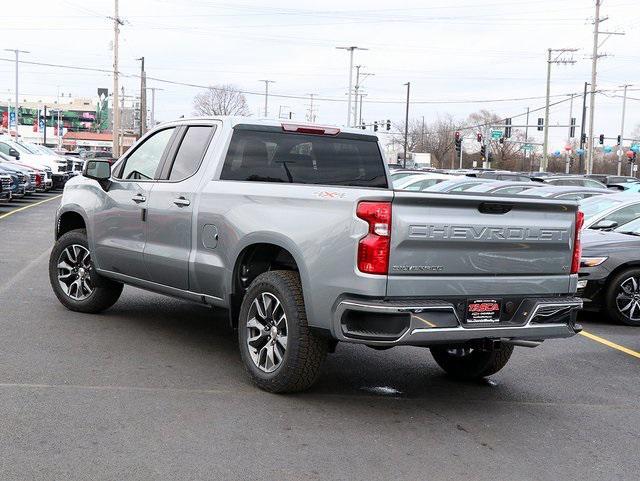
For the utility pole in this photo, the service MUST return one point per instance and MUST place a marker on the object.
(266, 95)
(526, 139)
(568, 152)
(624, 107)
(557, 60)
(153, 105)
(311, 115)
(121, 131)
(360, 115)
(594, 72)
(406, 126)
(17, 104)
(143, 98)
(351, 50)
(116, 113)
(357, 88)
(581, 167)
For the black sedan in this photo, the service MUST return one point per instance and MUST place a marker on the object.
(610, 272)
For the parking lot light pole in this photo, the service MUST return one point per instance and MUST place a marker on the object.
(152, 119)
(406, 126)
(624, 106)
(17, 53)
(349, 92)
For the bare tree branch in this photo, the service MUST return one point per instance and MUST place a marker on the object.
(221, 100)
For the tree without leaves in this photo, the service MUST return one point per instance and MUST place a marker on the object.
(221, 100)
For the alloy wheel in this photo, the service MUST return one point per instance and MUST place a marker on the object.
(267, 332)
(74, 272)
(628, 298)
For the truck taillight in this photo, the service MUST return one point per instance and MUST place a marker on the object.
(577, 245)
(373, 249)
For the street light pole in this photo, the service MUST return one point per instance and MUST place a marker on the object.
(545, 143)
(406, 126)
(350, 49)
(266, 95)
(153, 105)
(17, 53)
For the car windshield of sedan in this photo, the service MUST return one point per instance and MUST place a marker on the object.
(594, 205)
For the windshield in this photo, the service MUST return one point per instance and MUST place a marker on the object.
(594, 205)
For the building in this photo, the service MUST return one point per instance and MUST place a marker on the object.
(67, 114)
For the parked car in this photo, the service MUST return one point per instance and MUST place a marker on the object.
(30, 174)
(607, 212)
(98, 154)
(16, 188)
(420, 181)
(610, 272)
(458, 184)
(564, 192)
(55, 169)
(628, 187)
(573, 180)
(502, 187)
(398, 174)
(299, 235)
(501, 175)
(5, 187)
(612, 179)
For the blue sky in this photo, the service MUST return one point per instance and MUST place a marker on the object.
(465, 50)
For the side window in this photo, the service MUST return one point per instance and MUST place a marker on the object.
(4, 148)
(624, 215)
(592, 183)
(143, 163)
(190, 153)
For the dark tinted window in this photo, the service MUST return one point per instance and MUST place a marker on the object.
(190, 153)
(303, 159)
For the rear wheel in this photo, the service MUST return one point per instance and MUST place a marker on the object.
(468, 363)
(623, 297)
(279, 350)
(73, 278)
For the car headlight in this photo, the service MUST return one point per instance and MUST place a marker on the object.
(592, 261)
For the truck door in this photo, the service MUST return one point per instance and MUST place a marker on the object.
(169, 220)
(119, 226)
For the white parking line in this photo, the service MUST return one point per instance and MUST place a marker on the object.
(29, 206)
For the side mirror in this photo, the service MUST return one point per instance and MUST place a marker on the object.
(99, 170)
(14, 153)
(605, 224)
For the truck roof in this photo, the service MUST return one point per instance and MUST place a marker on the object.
(236, 120)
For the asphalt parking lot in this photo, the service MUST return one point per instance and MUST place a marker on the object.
(154, 389)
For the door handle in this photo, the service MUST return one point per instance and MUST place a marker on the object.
(181, 201)
(138, 198)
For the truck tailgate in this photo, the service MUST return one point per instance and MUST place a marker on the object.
(444, 244)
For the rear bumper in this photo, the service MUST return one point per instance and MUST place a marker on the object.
(429, 322)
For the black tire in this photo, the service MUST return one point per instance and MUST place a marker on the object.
(469, 364)
(104, 293)
(614, 303)
(305, 349)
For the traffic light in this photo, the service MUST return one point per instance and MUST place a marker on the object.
(375, 126)
(363, 126)
(483, 152)
(388, 124)
(479, 137)
(458, 138)
(490, 158)
(572, 128)
(619, 140)
(540, 124)
(501, 140)
(507, 130)
(584, 139)
(601, 139)
(631, 156)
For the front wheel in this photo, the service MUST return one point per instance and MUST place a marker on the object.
(279, 350)
(623, 297)
(73, 278)
(469, 363)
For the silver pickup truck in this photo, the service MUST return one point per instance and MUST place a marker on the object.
(296, 231)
